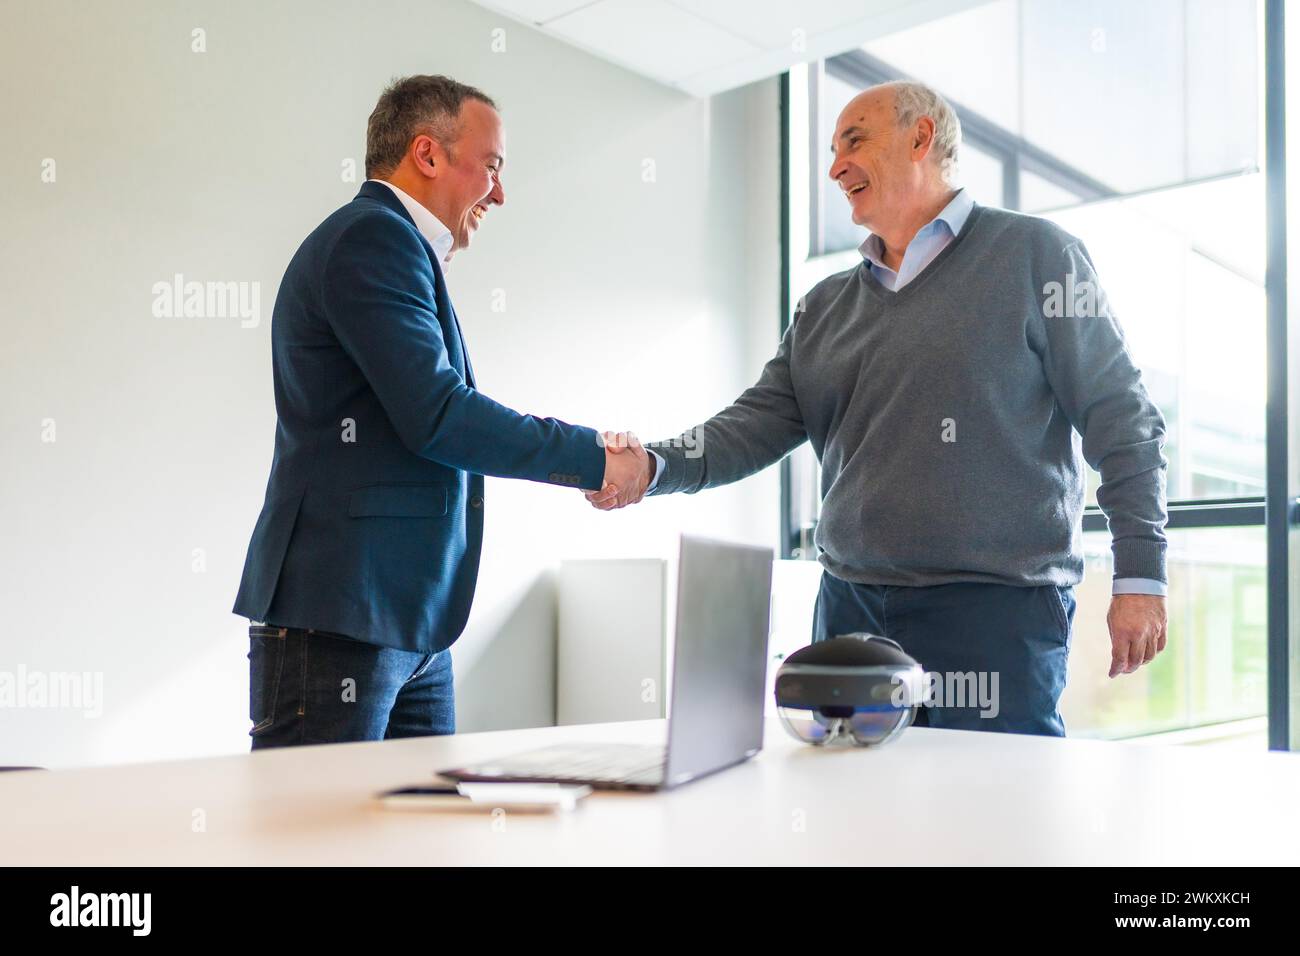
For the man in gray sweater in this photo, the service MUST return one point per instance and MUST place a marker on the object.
(942, 383)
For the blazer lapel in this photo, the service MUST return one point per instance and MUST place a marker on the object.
(383, 194)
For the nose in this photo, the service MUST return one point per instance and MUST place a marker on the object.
(498, 194)
(839, 168)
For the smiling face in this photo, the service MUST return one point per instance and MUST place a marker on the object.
(878, 164)
(467, 177)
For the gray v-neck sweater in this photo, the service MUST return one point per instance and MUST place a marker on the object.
(949, 417)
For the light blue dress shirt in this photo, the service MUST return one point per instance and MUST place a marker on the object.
(930, 240)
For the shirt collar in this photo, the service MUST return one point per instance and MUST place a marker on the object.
(953, 215)
(430, 226)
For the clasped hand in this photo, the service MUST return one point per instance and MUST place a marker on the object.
(629, 469)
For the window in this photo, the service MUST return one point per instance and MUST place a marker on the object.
(1215, 667)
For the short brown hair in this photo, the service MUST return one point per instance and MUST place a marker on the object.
(410, 106)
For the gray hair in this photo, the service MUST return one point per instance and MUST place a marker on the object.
(411, 106)
(912, 100)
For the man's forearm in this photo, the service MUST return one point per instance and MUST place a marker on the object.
(710, 456)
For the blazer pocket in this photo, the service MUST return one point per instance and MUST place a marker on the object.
(398, 501)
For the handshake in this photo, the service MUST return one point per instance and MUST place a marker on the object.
(629, 469)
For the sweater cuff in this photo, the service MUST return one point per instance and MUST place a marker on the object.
(1140, 558)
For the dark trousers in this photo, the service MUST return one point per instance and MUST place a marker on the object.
(312, 687)
(1015, 640)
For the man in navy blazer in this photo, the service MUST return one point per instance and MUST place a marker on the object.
(362, 564)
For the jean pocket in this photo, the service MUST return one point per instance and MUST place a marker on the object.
(1059, 600)
(265, 667)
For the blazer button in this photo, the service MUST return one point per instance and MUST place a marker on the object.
(476, 501)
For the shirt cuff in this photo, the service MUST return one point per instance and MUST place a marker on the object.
(659, 470)
(1139, 586)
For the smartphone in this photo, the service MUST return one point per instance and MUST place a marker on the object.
(517, 797)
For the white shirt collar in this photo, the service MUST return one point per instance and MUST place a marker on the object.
(430, 226)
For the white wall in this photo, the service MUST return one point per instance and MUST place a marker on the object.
(629, 304)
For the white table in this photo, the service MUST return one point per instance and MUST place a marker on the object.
(933, 797)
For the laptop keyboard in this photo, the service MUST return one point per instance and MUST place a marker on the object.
(612, 763)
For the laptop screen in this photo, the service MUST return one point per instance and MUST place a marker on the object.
(720, 657)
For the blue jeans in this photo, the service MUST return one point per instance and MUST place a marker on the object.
(1000, 651)
(312, 687)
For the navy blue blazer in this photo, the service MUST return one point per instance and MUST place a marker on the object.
(373, 520)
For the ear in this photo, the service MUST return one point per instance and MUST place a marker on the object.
(922, 138)
(427, 155)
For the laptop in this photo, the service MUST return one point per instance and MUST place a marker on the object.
(719, 670)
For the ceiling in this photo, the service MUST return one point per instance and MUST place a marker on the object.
(708, 46)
